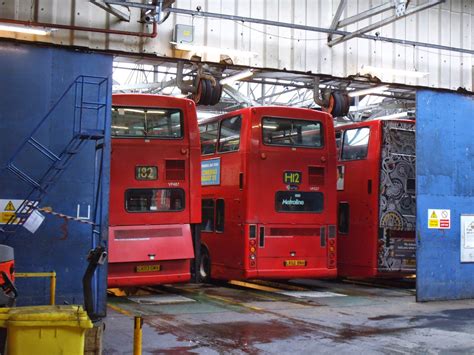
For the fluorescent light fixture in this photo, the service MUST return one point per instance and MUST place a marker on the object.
(372, 90)
(239, 76)
(367, 69)
(158, 112)
(120, 127)
(269, 126)
(391, 117)
(212, 50)
(39, 31)
(132, 110)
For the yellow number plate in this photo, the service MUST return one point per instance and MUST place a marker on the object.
(148, 268)
(295, 262)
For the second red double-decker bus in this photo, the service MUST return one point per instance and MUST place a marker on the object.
(269, 195)
(155, 194)
(376, 198)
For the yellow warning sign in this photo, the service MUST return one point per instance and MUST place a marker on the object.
(10, 207)
(439, 219)
(6, 216)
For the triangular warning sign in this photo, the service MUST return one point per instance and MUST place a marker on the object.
(10, 207)
(433, 215)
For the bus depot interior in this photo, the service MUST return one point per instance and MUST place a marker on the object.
(374, 223)
(210, 177)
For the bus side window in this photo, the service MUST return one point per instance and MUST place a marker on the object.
(207, 224)
(343, 218)
(229, 138)
(220, 212)
(355, 143)
(208, 134)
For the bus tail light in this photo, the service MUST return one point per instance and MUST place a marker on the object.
(332, 251)
(253, 245)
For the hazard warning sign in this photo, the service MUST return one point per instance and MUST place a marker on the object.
(439, 219)
(7, 209)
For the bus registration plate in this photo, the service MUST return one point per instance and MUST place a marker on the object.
(148, 268)
(295, 263)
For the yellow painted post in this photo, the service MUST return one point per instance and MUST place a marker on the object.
(137, 336)
(52, 292)
(52, 285)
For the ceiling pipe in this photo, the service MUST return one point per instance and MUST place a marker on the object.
(152, 34)
(322, 99)
(185, 88)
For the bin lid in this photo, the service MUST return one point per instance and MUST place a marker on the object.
(48, 316)
(6, 253)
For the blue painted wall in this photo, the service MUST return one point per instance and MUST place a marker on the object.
(32, 79)
(445, 180)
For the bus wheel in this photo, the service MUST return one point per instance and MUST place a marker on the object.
(205, 266)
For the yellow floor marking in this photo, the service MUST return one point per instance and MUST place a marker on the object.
(118, 292)
(120, 310)
(254, 286)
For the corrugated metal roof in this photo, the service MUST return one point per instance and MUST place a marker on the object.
(450, 24)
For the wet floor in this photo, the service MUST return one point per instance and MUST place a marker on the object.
(301, 317)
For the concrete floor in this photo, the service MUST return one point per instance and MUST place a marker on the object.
(310, 317)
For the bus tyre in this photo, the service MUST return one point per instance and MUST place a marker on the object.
(205, 266)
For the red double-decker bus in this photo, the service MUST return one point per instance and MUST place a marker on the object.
(376, 198)
(269, 195)
(155, 194)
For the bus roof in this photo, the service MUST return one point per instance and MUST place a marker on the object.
(258, 109)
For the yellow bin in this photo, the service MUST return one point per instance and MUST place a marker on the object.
(47, 330)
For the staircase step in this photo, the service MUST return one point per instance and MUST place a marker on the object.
(91, 134)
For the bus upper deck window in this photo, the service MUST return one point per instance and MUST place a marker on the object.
(291, 132)
(229, 138)
(154, 200)
(147, 122)
(355, 143)
(208, 133)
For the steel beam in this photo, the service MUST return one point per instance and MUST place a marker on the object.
(366, 14)
(317, 29)
(337, 16)
(112, 10)
(384, 22)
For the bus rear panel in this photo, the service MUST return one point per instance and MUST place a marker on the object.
(376, 198)
(155, 163)
(269, 197)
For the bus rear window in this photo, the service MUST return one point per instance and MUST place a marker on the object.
(296, 201)
(154, 200)
(291, 132)
(402, 141)
(147, 122)
(355, 143)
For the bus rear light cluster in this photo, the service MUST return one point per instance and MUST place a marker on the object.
(253, 245)
(332, 252)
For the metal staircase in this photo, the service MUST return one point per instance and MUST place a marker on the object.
(90, 97)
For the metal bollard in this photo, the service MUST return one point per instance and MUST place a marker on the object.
(137, 336)
(52, 285)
